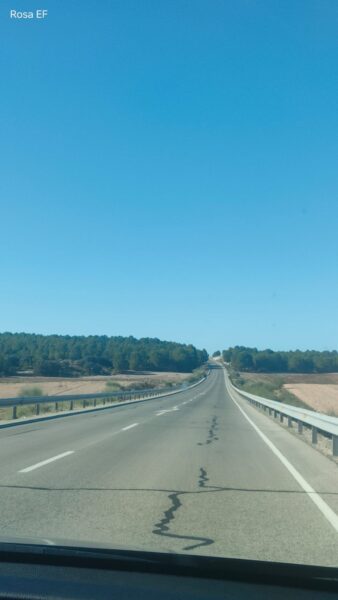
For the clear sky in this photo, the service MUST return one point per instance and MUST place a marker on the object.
(169, 169)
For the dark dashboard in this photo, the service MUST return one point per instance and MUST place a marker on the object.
(59, 572)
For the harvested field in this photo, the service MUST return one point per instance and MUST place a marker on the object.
(11, 387)
(320, 397)
(318, 391)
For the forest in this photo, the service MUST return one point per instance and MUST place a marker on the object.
(242, 358)
(71, 356)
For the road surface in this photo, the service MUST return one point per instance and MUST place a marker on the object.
(187, 473)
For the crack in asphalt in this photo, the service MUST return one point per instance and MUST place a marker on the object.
(212, 488)
(203, 478)
(212, 432)
(163, 527)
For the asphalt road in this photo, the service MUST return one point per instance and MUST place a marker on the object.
(187, 473)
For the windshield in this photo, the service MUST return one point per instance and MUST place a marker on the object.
(168, 344)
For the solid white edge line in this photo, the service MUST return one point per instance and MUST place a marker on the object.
(328, 513)
(129, 427)
(46, 462)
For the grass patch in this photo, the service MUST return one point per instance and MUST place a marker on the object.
(266, 388)
(196, 375)
(30, 391)
(142, 385)
(113, 386)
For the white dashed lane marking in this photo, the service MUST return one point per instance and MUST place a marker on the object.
(129, 427)
(46, 462)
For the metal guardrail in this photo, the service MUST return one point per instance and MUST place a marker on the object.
(106, 397)
(317, 422)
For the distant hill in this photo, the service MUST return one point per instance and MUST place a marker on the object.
(65, 355)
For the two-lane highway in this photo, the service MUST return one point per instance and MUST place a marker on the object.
(186, 473)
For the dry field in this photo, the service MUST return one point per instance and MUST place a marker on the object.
(320, 397)
(11, 387)
(318, 391)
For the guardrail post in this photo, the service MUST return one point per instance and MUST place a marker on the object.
(270, 412)
(38, 409)
(289, 422)
(275, 414)
(281, 417)
(314, 435)
(95, 402)
(56, 406)
(335, 445)
(83, 404)
(71, 406)
(300, 427)
(14, 415)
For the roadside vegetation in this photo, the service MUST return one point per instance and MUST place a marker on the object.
(242, 358)
(266, 386)
(113, 386)
(62, 403)
(30, 392)
(197, 375)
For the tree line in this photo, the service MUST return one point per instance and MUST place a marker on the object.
(242, 358)
(65, 355)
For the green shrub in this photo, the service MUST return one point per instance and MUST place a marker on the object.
(112, 386)
(30, 391)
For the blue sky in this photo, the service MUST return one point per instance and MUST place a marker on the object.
(169, 169)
